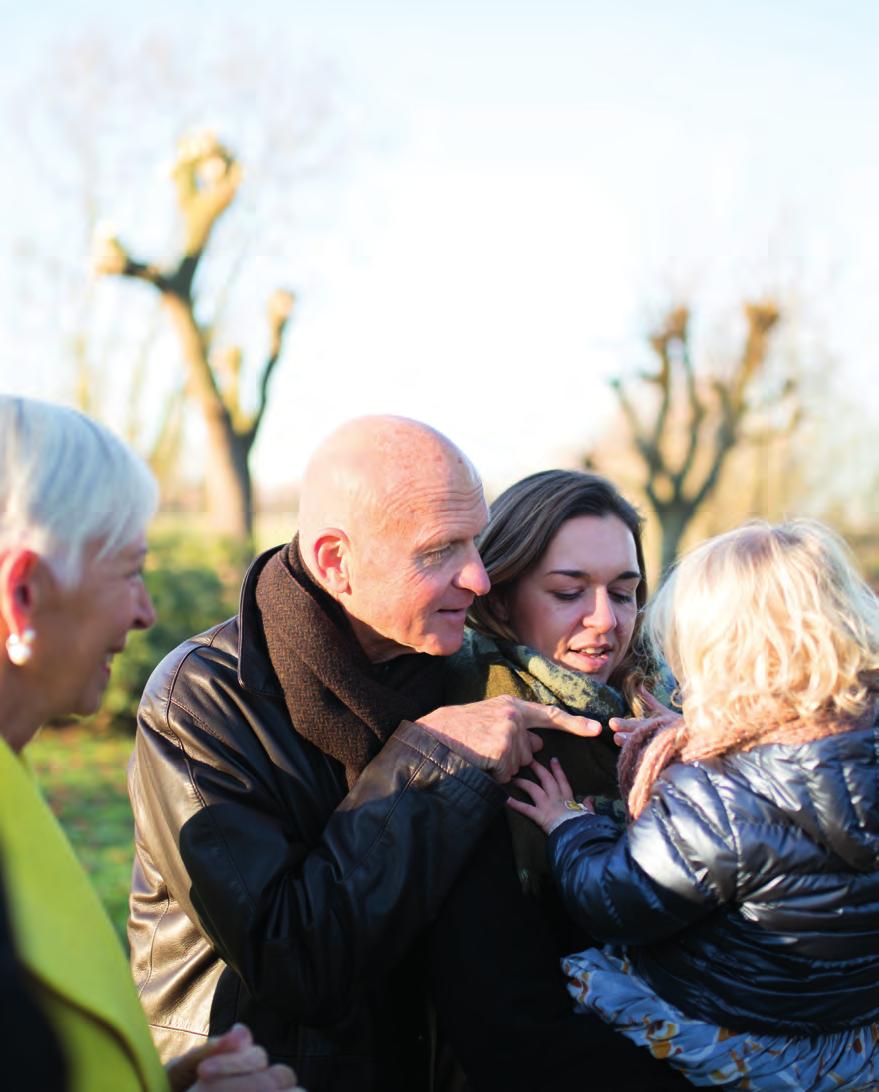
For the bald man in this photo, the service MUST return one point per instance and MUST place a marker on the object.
(303, 802)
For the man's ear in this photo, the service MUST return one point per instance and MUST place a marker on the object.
(19, 571)
(332, 559)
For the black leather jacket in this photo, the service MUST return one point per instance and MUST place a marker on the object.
(748, 889)
(264, 891)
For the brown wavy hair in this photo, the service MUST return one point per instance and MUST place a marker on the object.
(523, 522)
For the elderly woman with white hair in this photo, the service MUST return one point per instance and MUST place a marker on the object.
(74, 507)
(740, 908)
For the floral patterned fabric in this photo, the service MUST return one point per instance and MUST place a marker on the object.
(603, 981)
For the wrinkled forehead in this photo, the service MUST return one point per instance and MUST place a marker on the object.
(427, 498)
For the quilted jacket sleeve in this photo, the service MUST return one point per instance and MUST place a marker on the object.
(671, 867)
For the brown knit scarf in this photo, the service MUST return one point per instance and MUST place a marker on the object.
(337, 699)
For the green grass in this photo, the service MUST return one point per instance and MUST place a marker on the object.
(82, 773)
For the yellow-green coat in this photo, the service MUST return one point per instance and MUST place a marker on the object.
(68, 946)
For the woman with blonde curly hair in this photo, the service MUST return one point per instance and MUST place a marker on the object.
(740, 909)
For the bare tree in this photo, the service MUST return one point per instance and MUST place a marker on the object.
(693, 423)
(85, 128)
(206, 176)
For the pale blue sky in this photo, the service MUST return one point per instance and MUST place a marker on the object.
(533, 182)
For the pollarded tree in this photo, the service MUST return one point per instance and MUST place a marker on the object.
(207, 175)
(82, 128)
(685, 432)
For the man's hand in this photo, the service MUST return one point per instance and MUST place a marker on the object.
(659, 716)
(552, 802)
(229, 1063)
(495, 734)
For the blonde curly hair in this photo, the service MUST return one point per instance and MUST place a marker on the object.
(772, 636)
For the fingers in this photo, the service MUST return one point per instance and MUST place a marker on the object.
(651, 701)
(540, 806)
(551, 797)
(524, 745)
(268, 1080)
(657, 712)
(561, 780)
(530, 743)
(625, 726)
(520, 750)
(550, 716)
(183, 1071)
(234, 1063)
(508, 764)
(495, 733)
(551, 784)
(284, 1077)
(658, 717)
(530, 789)
(555, 785)
(250, 1060)
(522, 808)
(622, 728)
(545, 778)
(238, 1037)
(630, 724)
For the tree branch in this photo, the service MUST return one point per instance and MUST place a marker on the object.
(697, 417)
(202, 381)
(280, 308)
(642, 443)
(207, 177)
(673, 329)
(109, 258)
(710, 421)
(762, 318)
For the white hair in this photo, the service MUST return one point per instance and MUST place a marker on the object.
(67, 483)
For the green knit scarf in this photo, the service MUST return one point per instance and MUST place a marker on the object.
(486, 668)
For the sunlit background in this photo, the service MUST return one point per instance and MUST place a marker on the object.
(483, 209)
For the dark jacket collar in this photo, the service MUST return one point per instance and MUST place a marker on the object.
(255, 671)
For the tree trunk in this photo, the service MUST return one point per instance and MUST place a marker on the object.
(229, 489)
(674, 521)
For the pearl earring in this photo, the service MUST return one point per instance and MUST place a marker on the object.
(20, 649)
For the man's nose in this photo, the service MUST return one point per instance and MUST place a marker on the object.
(602, 616)
(473, 576)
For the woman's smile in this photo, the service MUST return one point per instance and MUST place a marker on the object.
(578, 605)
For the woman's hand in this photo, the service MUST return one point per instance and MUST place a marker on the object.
(659, 717)
(552, 801)
(229, 1063)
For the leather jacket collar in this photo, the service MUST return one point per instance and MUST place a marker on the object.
(255, 671)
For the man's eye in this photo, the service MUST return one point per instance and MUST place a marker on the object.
(432, 556)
